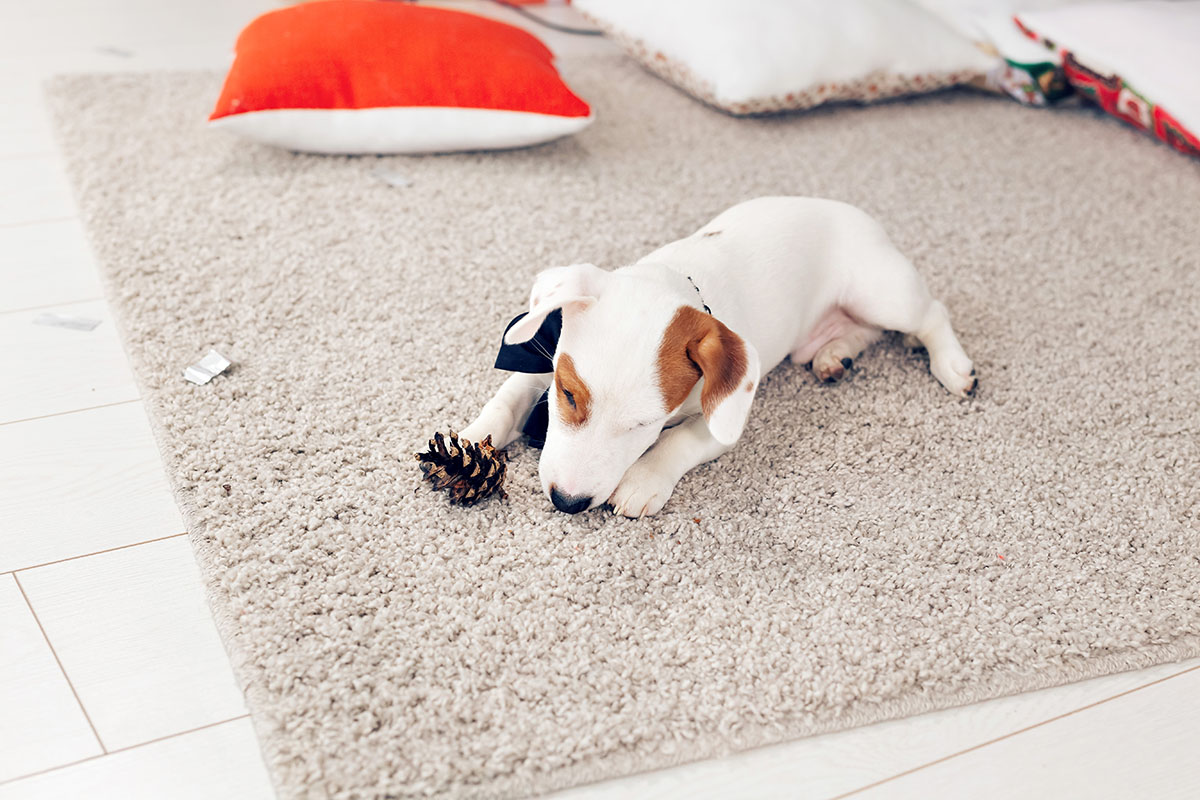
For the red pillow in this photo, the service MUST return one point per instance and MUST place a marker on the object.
(360, 76)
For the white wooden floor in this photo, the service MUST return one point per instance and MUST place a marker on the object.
(113, 683)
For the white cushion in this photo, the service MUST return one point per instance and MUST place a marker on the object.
(757, 56)
(980, 20)
(1152, 46)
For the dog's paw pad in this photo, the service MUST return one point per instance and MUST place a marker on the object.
(959, 379)
(829, 368)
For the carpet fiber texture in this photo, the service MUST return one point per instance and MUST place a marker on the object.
(869, 550)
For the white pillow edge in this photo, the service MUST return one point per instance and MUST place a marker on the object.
(399, 130)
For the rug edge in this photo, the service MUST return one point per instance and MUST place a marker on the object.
(718, 746)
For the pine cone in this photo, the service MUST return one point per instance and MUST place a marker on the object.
(469, 472)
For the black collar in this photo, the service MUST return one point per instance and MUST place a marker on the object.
(707, 310)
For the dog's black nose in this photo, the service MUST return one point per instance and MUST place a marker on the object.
(567, 503)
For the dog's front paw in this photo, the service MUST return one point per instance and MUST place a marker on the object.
(642, 492)
(484, 427)
(477, 431)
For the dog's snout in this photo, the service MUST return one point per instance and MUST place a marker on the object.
(568, 504)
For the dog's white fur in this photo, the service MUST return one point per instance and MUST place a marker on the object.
(815, 279)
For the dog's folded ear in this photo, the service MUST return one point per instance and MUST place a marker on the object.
(731, 371)
(697, 345)
(570, 288)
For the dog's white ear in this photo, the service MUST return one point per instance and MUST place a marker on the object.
(570, 288)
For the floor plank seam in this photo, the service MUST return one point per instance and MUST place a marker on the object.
(47, 221)
(72, 411)
(51, 305)
(108, 753)
(982, 745)
(58, 661)
(15, 570)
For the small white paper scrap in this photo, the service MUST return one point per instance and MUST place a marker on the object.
(207, 368)
(392, 178)
(64, 321)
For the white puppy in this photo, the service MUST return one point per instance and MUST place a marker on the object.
(658, 363)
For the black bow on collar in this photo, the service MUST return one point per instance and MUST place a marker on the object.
(535, 356)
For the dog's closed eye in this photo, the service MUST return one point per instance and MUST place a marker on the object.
(574, 403)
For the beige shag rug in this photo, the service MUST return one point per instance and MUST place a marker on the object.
(869, 550)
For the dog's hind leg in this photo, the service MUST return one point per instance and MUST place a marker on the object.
(890, 294)
(836, 358)
(504, 416)
(833, 344)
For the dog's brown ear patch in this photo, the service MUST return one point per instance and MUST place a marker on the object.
(574, 397)
(696, 345)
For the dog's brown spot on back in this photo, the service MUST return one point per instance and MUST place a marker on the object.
(567, 380)
(713, 233)
(696, 345)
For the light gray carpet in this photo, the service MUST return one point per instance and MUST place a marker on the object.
(869, 550)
